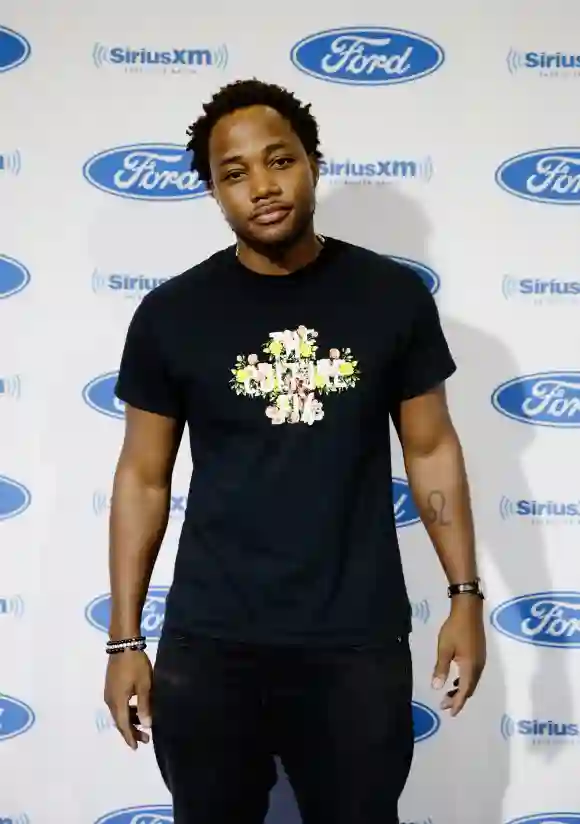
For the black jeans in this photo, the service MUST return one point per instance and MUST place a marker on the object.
(340, 719)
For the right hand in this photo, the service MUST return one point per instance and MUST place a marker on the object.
(129, 673)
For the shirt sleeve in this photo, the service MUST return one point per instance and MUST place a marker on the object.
(426, 360)
(144, 380)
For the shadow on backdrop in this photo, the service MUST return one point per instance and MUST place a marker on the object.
(446, 779)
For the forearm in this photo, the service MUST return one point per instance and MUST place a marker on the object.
(440, 489)
(139, 515)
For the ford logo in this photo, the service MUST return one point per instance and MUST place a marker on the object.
(99, 394)
(544, 399)
(145, 171)
(156, 814)
(425, 721)
(14, 277)
(428, 276)
(405, 510)
(98, 613)
(14, 49)
(14, 498)
(371, 56)
(548, 818)
(545, 175)
(16, 717)
(544, 619)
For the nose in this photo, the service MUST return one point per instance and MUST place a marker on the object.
(263, 185)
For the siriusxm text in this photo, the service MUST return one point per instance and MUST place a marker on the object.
(551, 60)
(380, 168)
(547, 509)
(537, 286)
(120, 55)
(537, 729)
(132, 283)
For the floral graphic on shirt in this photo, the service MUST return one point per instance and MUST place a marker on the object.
(292, 379)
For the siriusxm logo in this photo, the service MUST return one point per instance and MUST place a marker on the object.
(430, 278)
(541, 291)
(545, 175)
(10, 387)
(369, 56)
(421, 611)
(426, 722)
(99, 394)
(172, 61)
(548, 818)
(538, 731)
(541, 513)
(544, 399)
(544, 619)
(12, 606)
(145, 171)
(14, 49)
(133, 287)
(98, 613)
(14, 498)
(102, 504)
(16, 717)
(14, 277)
(11, 162)
(404, 507)
(378, 171)
(544, 64)
(154, 814)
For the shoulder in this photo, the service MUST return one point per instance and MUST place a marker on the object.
(164, 304)
(385, 276)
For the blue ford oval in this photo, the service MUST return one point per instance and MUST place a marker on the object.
(14, 498)
(98, 612)
(145, 171)
(14, 277)
(426, 722)
(406, 512)
(367, 56)
(16, 717)
(543, 619)
(14, 49)
(153, 814)
(99, 394)
(542, 399)
(544, 175)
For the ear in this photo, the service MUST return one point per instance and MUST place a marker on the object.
(315, 169)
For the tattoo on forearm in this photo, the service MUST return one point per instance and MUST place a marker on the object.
(435, 510)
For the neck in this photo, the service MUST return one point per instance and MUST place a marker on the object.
(280, 259)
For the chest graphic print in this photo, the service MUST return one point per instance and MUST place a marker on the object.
(291, 379)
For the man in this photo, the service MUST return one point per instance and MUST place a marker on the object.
(287, 624)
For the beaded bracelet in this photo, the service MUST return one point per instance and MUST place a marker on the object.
(137, 643)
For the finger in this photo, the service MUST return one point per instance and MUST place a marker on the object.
(465, 691)
(123, 724)
(138, 734)
(143, 709)
(441, 672)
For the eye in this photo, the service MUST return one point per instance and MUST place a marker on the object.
(283, 161)
(233, 175)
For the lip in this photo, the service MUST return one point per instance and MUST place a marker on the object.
(271, 214)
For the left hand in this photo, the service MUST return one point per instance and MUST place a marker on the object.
(461, 639)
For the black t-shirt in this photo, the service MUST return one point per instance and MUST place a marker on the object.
(286, 384)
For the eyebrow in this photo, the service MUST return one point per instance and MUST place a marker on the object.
(271, 147)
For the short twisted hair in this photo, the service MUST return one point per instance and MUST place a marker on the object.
(242, 94)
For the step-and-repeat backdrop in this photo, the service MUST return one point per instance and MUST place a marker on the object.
(452, 141)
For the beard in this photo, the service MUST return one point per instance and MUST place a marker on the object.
(277, 245)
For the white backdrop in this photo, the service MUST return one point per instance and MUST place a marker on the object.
(420, 137)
